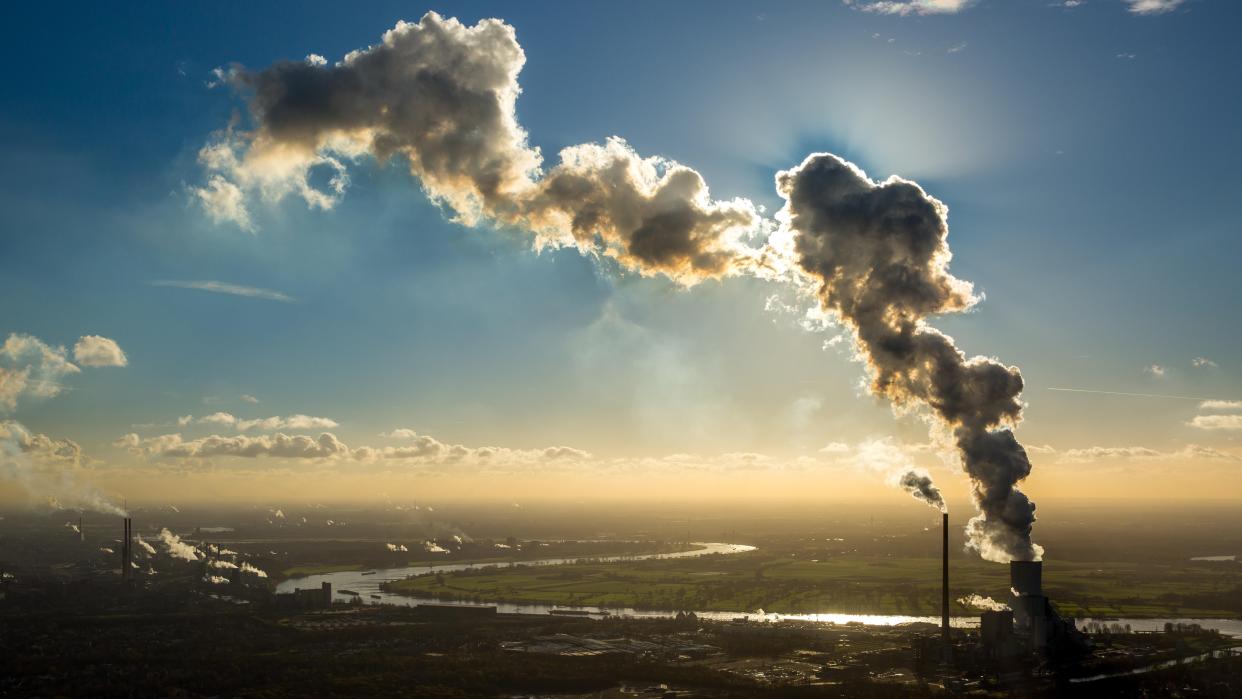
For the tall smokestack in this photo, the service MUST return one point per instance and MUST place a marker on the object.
(944, 584)
(81, 536)
(125, 550)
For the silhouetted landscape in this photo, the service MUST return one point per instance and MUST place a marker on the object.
(864, 348)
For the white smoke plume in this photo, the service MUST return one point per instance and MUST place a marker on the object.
(981, 602)
(176, 547)
(223, 565)
(440, 97)
(49, 470)
(247, 568)
(215, 580)
(74, 527)
(144, 545)
(433, 547)
(396, 547)
(107, 550)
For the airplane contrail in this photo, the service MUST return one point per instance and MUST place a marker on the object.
(1133, 395)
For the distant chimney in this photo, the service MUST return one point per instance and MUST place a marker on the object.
(126, 550)
(81, 535)
(944, 585)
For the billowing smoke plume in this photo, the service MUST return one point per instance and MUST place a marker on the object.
(879, 255)
(396, 547)
(981, 602)
(247, 568)
(920, 485)
(441, 96)
(144, 545)
(176, 547)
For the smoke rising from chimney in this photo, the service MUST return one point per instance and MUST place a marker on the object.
(920, 485)
(878, 254)
(441, 96)
(176, 547)
(981, 602)
(887, 459)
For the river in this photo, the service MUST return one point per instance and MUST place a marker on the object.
(367, 584)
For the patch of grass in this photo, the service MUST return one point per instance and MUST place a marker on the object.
(847, 583)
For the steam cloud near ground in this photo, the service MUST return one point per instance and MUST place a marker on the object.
(45, 468)
(440, 96)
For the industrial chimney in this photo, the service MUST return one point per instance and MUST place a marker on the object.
(126, 552)
(944, 586)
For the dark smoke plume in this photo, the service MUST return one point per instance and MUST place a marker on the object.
(441, 96)
(921, 487)
(879, 254)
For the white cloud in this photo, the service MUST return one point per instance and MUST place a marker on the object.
(835, 448)
(95, 351)
(290, 422)
(227, 288)
(224, 201)
(1204, 363)
(1153, 7)
(1190, 451)
(957, 48)
(910, 7)
(218, 418)
(266, 424)
(1217, 422)
(276, 446)
(30, 367)
(1221, 405)
(247, 398)
(1155, 370)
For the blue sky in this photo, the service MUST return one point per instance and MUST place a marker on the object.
(1087, 155)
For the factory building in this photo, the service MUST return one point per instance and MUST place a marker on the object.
(303, 599)
(1033, 624)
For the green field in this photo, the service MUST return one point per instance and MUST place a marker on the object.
(850, 583)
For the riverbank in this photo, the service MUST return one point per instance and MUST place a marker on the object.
(849, 584)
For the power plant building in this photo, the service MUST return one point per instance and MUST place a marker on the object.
(1035, 618)
(303, 599)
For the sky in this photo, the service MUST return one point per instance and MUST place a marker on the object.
(369, 343)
